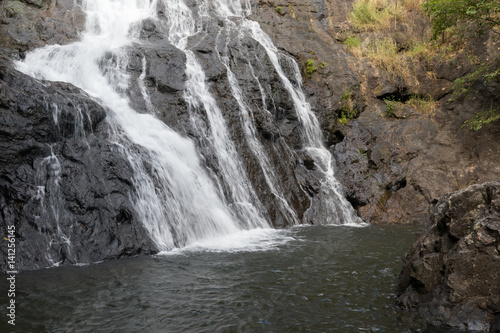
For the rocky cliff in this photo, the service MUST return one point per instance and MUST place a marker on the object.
(66, 183)
(394, 166)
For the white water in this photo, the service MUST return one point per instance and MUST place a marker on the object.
(251, 135)
(182, 26)
(331, 198)
(176, 199)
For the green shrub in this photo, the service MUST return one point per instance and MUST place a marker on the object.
(482, 118)
(343, 118)
(390, 107)
(352, 41)
(310, 67)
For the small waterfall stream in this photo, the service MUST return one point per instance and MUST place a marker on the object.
(177, 199)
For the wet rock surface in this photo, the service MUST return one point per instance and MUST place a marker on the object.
(451, 275)
(64, 184)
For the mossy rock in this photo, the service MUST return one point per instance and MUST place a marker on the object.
(15, 8)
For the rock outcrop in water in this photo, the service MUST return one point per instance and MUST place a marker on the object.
(451, 276)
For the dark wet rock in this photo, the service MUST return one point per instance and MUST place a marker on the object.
(64, 184)
(67, 187)
(28, 24)
(276, 125)
(451, 276)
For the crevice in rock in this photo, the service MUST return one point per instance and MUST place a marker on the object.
(401, 94)
(354, 201)
(397, 185)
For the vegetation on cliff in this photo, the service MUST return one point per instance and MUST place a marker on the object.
(404, 37)
(465, 20)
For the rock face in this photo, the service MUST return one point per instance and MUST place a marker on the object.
(27, 24)
(64, 185)
(392, 167)
(451, 276)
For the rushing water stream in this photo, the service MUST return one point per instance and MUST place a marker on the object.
(310, 279)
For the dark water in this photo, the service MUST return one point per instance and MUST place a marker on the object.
(327, 279)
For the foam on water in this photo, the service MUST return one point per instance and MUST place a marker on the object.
(242, 241)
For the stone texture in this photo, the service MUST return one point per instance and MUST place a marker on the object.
(27, 24)
(392, 168)
(64, 184)
(451, 276)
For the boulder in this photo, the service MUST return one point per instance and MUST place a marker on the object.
(451, 275)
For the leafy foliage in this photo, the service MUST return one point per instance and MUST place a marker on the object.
(390, 107)
(476, 16)
(466, 19)
(462, 86)
(310, 67)
(352, 41)
(323, 65)
(482, 118)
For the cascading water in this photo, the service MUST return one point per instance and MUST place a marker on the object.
(330, 199)
(251, 137)
(50, 206)
(176, 199)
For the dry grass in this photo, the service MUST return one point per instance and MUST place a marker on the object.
(383, 53)
(412, 32)
(412, 5)
(425, 106)
(372, 15)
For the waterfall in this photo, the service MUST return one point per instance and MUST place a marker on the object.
(330, 197)
(178, 200)
(175, 198)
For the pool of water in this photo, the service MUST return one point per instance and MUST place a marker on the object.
(309, 279)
